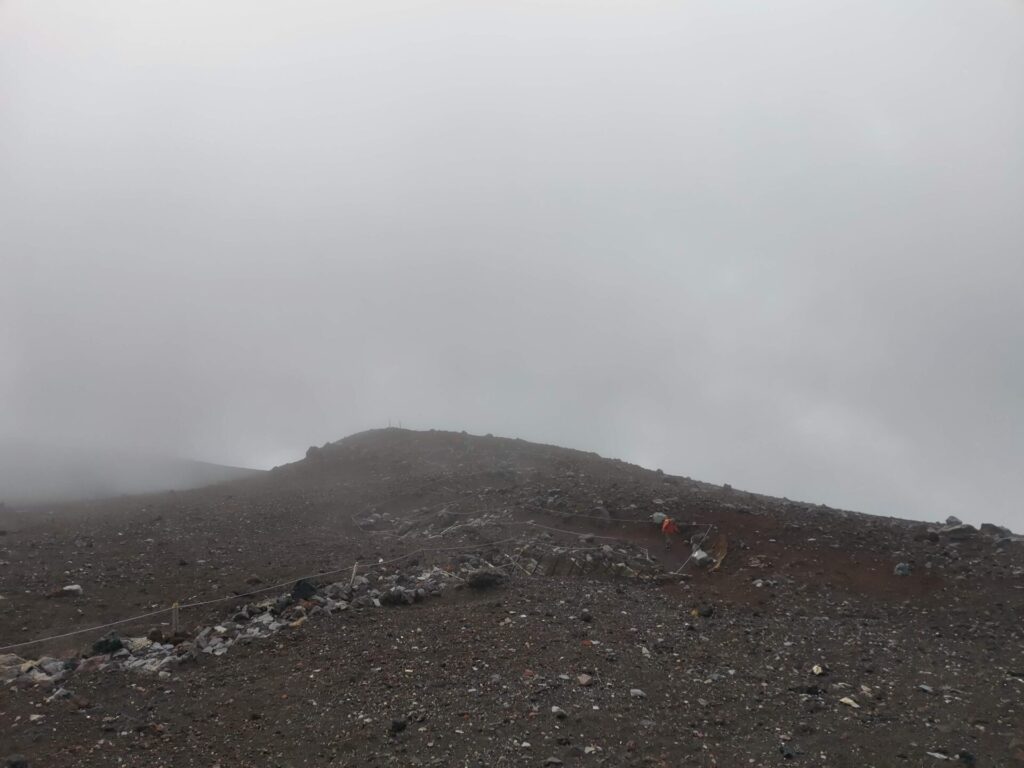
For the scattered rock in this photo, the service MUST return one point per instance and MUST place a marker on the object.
(901, 569)
(403, 656)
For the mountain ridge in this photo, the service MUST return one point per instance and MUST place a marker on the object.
(35, 474)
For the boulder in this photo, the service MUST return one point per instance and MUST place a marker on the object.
(998, 531)
(303, 590)
(486, 578)
(109, 643)
(398, 596)
(701, 558)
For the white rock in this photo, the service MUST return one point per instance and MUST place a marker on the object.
(702, 558)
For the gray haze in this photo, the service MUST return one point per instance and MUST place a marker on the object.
(774, 244)
(41, 474)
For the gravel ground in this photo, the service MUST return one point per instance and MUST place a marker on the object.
(800, 646)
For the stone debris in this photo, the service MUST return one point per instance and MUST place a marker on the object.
(257, 620)
(379, 674)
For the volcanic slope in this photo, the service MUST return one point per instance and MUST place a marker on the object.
(512, 604)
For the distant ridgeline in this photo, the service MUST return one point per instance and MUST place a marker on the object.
(31, 474)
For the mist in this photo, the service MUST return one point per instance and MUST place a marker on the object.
(776, 245)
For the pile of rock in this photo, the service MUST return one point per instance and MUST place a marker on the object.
(622, 561)
(956, 530)
(157, 655)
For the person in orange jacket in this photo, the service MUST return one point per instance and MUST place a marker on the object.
(668, 530)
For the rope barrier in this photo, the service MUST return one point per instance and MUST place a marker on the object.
(699, 543)
(90, 629)
(261, 590)
(320, 575)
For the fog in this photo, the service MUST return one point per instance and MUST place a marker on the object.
(40, 475)
(778, 245)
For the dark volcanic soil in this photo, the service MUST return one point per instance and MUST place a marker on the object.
(711, 666)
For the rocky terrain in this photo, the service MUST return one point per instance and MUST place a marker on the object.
(409, 598)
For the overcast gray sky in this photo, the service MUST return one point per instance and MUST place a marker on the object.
(774, 244)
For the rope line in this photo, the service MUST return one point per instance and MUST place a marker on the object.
(90, 629)
(699, 544)
(228, 598)
(319, 575)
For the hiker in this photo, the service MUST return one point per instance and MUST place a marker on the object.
(669, 529)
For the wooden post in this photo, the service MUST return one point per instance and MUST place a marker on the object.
(175, 624)
(353, 582)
